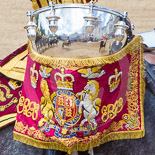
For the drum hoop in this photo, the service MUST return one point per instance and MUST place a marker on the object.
(82, 6)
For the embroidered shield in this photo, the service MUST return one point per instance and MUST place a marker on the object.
(66, 108)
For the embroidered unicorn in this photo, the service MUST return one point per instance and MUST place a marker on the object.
(90, 102)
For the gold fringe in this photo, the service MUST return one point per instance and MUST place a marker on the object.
(73, 63)
(78, 146)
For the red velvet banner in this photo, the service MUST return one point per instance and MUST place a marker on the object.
(77, 104)
(11, 74)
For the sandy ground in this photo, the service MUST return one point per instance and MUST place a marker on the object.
(13, 18)
(77, 50)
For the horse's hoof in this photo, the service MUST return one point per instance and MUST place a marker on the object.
(80, 112)
(93, 129)
(40, 124)
(81, 125)
(52, 122)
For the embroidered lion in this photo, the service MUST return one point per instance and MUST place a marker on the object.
(47, 108)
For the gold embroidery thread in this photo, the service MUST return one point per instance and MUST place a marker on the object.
(2, 94)
(13, 101)
(111, 110)
(29, 109)
(47, 107)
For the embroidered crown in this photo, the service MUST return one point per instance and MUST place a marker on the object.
(36, 4)
(64, 81)
(14, 84)
(114, 80)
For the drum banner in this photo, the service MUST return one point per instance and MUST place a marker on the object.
(36, 4)
(10, 91)
(77, 104)
(12, 70)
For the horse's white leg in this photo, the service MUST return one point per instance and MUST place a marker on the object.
(83, 121)
(91, 152)
(85, 114)
(80, 107)
(74, 153)
(94, 122)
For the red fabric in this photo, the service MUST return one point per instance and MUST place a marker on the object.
(13, 54)
(68, 106)
(13, 95)
(9, 94)
(60, 113)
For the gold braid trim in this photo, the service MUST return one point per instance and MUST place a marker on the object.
(7, 119)
(142, 87)
(75, 63)
(11, 69)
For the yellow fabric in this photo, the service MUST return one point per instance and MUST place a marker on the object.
(44, 3)
(4, 120)
(15, 68)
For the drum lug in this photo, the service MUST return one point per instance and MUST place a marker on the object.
(121, 27)
(31, 27)
(132, 27)
(53, 19)
(90, 19)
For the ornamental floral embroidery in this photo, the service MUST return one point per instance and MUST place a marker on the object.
(132, 118)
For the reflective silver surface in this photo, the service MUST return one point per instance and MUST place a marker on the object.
(31, 28)
(73, 31)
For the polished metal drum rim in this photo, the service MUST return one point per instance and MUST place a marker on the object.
(93, 22)
(82, 6)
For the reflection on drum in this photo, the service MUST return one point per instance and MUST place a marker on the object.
(77, 30)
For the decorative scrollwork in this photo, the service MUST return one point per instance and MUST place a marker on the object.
(29, 109)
